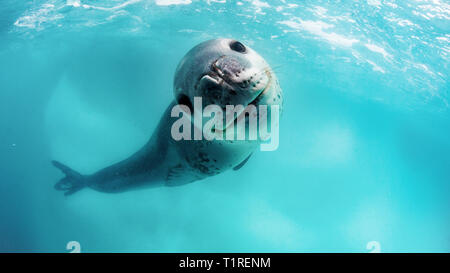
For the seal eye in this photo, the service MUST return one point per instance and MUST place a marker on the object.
(237, 46)
(184, 100)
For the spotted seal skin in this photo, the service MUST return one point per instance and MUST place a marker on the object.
(221, 72)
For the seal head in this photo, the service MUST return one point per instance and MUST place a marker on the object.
(225, 72)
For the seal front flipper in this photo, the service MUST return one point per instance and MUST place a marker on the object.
(175, 172)
(73, 181)
(181, 175)
(237, 167)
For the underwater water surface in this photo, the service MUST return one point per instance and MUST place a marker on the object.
(364, 150)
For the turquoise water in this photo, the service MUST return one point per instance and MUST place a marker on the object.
(364, 149)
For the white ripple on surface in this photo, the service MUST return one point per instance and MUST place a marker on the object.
(260, 4)
(375, 3)
(376, 67)
(74, 3)
(172, 2)
(378, 49)
(120, 6)
(317, 28)
(35, 19)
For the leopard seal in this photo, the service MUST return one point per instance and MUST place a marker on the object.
(221, 72)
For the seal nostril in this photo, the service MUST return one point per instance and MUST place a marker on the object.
(237, 46)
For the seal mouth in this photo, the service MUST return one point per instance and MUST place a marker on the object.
(254, 102)
(225, 80)
(259, 96)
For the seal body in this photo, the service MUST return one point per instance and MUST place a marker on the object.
(221, 72)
